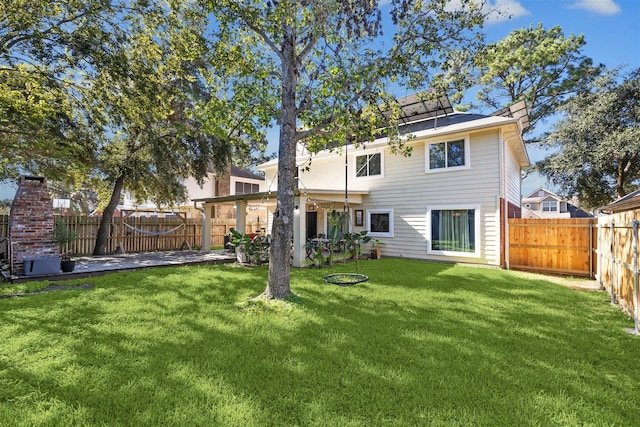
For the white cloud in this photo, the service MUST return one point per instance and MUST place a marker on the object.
(502, 10)
(602, 7)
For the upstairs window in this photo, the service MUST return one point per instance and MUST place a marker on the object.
(246, 188)
(369, 165)
(447, 155)
(549, 206)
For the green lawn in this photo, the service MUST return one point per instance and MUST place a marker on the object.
(419, 344)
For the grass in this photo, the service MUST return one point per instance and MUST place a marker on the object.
(418, 344)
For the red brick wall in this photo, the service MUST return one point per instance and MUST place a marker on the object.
(31, 223)
(514, 211)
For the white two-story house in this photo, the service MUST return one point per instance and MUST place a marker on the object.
(448, 201)
(543, 203)
(236, 181)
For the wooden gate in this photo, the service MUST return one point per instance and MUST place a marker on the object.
(558, 246)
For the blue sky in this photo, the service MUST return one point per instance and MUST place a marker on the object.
(610, 27)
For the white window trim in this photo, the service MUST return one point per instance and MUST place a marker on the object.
(379, 211)
(233, 180)
(554, 202)
(355, 165)
(477, 234)
(467, 157)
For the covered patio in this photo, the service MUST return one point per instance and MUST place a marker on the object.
(310, 215)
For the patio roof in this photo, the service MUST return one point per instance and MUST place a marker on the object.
(320, 195)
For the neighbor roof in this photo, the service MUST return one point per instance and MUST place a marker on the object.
(629, 202)
(243, 173)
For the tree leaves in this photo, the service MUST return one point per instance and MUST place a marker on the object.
(598, 141)
(534, 64)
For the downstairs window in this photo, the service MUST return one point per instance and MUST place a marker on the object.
(453, 230)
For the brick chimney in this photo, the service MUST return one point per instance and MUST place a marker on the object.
(31, 223)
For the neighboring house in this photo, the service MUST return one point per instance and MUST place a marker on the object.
(236, 181)
(448, 201)
(543, 203)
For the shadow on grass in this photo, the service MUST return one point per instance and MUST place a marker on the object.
(417, 344)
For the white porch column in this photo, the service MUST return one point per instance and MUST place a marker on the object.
(206, 228)
(299, 227)
(241, 216)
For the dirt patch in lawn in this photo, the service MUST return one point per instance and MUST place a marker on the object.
(578, 283)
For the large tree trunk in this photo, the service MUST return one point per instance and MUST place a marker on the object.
(278, 285)
(103, 231)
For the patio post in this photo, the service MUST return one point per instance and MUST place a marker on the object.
(206, 228)
(241, 216)
(299, 226)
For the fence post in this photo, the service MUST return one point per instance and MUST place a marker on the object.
(613, 261)
(600, 257)
(591, 250)
(636, 272)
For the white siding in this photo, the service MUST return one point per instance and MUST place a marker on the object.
(409, 190)
(194, 191)
(271, 178)
(513, 176)
(325, 172)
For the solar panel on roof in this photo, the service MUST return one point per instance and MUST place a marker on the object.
(416, 107)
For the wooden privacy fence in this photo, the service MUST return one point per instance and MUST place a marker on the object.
(4, 225)
(558, 246)
(141, 234)
(618, 264)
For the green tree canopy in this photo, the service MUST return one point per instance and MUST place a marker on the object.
(320, 70)
(152, 130)
(110, 95)
(598, 141)
(540, 66)
(45, 50)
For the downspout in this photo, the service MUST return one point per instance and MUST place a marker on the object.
(505, 201)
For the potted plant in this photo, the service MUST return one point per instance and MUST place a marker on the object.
(63, 236)
(376, 249)
(247, 248)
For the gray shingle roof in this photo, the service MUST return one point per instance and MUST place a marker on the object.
(243, 173)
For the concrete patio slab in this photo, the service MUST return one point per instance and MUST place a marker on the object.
(97, 265)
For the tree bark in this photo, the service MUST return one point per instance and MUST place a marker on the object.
(278, 285)
(107, 215)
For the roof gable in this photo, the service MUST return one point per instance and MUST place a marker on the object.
(542, 193)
